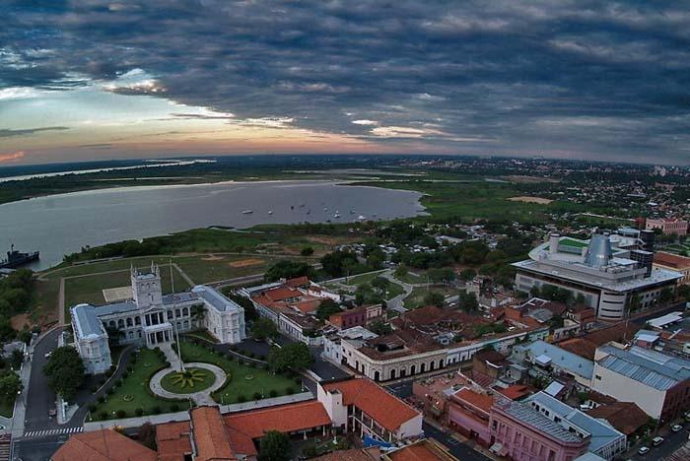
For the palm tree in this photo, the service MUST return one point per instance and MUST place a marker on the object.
(198, 314)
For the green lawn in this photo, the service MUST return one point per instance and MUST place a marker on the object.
(410, 278)
(134, 392)
(393, 290)
(190, 381)
(416, 298)
(205, 269)
(244, 381)
(361, 279)
(89, 288)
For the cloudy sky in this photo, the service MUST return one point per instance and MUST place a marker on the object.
(92, 79)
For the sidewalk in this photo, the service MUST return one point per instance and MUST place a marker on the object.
(184, 415)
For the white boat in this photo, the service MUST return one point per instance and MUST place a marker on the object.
(248, 212)
(336, 215)
(270, 211)
(361, 217)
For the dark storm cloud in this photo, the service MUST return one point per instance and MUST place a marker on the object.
(583, 78)
(7, 133)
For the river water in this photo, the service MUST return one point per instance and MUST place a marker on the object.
(62, 224)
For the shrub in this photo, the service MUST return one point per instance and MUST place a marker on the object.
(109, 373)
(101, 399)
(103, 415)
(110, 391)
(241, 399)
(273, 393)
(121, 413)
(174, 408)
(257, 396)
(139, 411)
(92, 408)
(290, 391)
(251, 364)
(298, 381)
(156, 410)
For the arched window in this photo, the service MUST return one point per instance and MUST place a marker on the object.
(130, 322)
(392, 374)
(431, 366)
(137, 320)
(170, 315)
(121, 323)
(185, 312)
(421, 368)
(440, 363)
(412, 369)
(177, 313)
(111, 324)
(376, 376)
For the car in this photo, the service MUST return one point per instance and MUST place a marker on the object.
(643, 451)
(676, 428)
(48, 354)
(656, 441)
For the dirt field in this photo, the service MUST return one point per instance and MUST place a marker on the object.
(212, 258)
(19, 320)
(525, 199)
(246, 263)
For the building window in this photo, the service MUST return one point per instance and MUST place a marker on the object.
(597, 377)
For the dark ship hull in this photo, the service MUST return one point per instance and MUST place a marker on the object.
(16, 259)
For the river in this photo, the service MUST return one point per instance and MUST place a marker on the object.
(62, 224)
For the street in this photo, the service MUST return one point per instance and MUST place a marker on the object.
(458, 449)
(40, 398)
(672, 442)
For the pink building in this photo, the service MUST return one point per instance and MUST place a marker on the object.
(469, 413)
(668, 226)
(523, 434)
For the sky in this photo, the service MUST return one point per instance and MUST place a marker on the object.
(591, 80)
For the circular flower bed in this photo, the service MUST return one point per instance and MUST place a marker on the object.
(189, 381)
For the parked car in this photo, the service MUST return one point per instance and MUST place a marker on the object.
(643, 450)
(676, 428)
(48, 354)
(656, 441)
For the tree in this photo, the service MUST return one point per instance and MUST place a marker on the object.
(286, 269)
(401, 271)
(434, 298)
(10, 387)
(295, 356)
(468, 274)
(441, 275)
(665, 295)
(339, 263)
(307, 251)
(263, 329)
(327, 308)
(275, 446)
(468, 302)
(65, 371)
(16, 359)
(245, 303)
(379, 327)
(147, 436)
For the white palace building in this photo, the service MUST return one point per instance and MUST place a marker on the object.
(151, 318)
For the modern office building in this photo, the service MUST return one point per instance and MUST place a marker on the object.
(601, 271)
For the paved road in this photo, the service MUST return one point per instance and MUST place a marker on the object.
(38, 449)
(458, 449)
(40, 398)
(672, 443)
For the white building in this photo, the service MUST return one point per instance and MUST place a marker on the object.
(360, 406)
(658, 383)
(606, 276)
(150, 318)
(604, 440)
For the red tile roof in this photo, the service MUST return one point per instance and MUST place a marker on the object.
(355, 454)
(386, 409)
(172, 441)
(424, 450)
(298, 282)
(103, 445)
(516, 391)
(481, 401)
(671, 260)
(210, 437)
(247, 426)
(627, 417)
